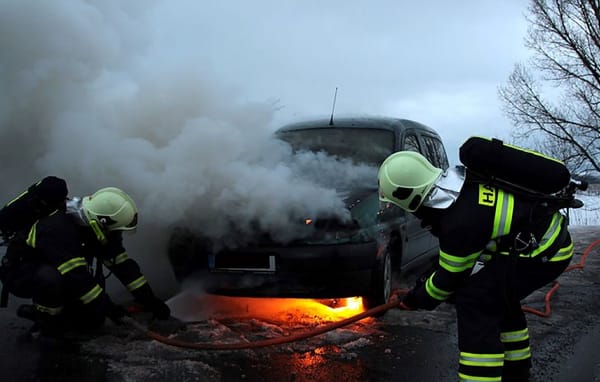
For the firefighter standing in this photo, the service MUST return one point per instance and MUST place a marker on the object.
(51, 263)
(496, 248)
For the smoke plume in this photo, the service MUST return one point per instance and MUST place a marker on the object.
(91, 94)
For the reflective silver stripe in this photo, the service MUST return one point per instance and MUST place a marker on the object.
(516, 336)
(503, 214)
(435, 292)
(91, 295)
(549, 236)
(136, 283)
(517, 355)
(484, 360)
(68, 266)
(564, 253)
(457, 264)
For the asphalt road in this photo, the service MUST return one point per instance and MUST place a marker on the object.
(400, 346)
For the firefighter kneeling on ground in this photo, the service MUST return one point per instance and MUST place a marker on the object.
(51, 264)
(496, 248)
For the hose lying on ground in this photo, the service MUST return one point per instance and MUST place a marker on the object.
(556, 285)
(263, 343)
(395, 303)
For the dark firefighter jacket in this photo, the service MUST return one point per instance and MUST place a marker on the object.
(58, 240)
(484, 220)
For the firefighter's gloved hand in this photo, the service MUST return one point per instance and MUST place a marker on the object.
(408, 301)
(158, 308)
(418, 298)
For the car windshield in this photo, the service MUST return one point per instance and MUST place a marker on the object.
(370, 146)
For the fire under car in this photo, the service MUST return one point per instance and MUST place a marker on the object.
(357, 257)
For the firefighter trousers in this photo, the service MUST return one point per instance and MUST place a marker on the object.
(493, 337)
(50, 294)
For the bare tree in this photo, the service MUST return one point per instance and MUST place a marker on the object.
(564, 36)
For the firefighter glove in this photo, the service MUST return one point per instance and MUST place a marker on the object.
(409, 301)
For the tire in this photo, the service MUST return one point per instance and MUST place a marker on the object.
(381, 287)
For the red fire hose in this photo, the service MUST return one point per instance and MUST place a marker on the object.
(268, 342)
(331, 326)
(556, 285)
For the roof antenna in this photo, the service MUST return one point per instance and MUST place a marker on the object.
(333, 107)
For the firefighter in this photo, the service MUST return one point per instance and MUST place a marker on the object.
(496, 248)
(51, 263)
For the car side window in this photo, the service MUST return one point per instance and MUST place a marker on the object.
(411, 143)
(436, 152)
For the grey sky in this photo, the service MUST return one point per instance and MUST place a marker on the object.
(439, 62)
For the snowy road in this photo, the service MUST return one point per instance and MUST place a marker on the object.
(400, 346)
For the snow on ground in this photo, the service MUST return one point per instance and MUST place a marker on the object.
(589, 214)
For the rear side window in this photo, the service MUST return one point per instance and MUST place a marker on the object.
(411, 143)
(435, 152)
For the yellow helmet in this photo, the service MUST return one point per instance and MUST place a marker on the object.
(112, 208)
(405, 179)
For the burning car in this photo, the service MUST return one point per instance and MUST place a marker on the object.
(335, 258)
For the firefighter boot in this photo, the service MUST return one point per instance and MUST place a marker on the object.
(515, 375)
(44, 323)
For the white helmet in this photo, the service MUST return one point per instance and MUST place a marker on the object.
(405, 179)
(112, 208)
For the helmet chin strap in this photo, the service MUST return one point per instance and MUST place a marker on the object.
(446, 189)
(75, 209)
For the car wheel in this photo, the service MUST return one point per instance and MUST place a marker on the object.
(381, 288)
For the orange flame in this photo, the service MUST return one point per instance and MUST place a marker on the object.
(288, 310)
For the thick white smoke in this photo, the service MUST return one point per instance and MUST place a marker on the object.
(89, 94)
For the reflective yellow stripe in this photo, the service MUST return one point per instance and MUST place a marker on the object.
(523, 149)
(516, 336)
(91, 295)
(549, 236)
(50, 310)
(534, 153)
(121, 258)
(97, 231)
(68, 266)
(136, 283)
(435, 292)
(483, 360)
(456, 264)
(503, 214)
(471, 378)
(517, 355)
(31, 236)
(20, 196)
(563, 253)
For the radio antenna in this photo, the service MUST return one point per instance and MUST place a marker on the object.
(333, 107)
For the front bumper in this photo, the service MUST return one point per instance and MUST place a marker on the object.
(310, 271)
